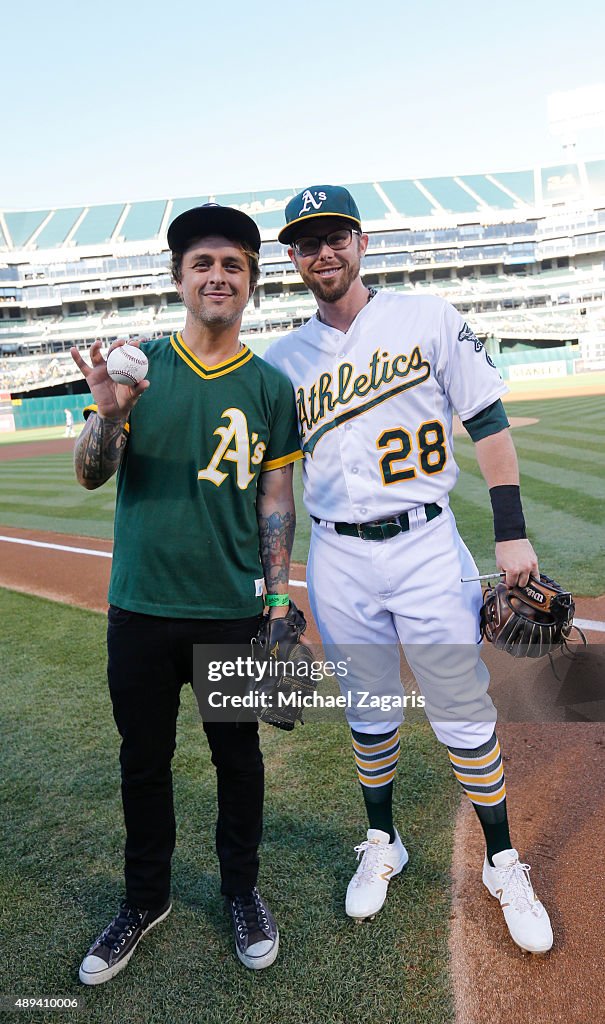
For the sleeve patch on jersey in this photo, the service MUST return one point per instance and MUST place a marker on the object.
(284, 461)
(490, 420)
(466, 334)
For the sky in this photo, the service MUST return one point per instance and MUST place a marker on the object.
(130, 100)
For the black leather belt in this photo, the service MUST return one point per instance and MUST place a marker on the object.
(382, 529)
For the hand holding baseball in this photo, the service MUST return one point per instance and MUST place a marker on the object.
(114, 399)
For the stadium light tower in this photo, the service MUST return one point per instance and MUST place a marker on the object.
(576, 111)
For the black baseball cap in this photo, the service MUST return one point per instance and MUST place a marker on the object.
(212, 219)
(318, 201)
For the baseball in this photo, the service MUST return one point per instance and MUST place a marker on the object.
(127, 365)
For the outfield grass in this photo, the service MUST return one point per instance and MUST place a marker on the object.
(35, 434)
(563, 487)
(60, 875)
(580, 381)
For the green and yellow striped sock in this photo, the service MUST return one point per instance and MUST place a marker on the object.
(376, 759)
(481, 775)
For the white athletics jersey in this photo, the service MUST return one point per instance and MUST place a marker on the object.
(375, 405)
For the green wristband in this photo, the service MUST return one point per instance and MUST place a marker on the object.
(277, 600)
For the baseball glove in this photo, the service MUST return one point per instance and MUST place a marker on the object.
(530, 621)
(283, 668)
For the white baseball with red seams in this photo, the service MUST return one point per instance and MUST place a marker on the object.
(127, 365)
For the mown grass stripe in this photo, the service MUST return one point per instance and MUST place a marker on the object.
(58, 463)
(564, 485)
(528, 447)
(585, 508)
(575, 440)
(554, 408)
(537, 446)
(48, 505)
(21, 472)
(42, 487)
(566, 548)
(88, 527)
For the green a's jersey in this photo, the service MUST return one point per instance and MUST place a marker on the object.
(186, 539)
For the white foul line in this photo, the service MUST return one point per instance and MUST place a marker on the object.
(56, 547)
(599, 627)
(88, 551)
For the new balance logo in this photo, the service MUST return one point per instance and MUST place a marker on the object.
(500, 894)
(387, 874)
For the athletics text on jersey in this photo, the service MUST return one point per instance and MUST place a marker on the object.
(375, 405)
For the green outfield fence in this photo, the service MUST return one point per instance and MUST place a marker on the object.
(563, 353)
(47, 412)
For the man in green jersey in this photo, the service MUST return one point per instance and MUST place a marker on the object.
(204, 450)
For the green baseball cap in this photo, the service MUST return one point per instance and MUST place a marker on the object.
(318, 201)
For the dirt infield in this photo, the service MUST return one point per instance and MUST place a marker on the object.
(554, 781)
(35, 449)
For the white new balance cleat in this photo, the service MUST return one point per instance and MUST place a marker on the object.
(381, 861)
(527, 920)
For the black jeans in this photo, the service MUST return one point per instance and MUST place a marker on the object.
(149, 659)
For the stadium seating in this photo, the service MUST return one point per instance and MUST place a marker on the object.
(521, 252)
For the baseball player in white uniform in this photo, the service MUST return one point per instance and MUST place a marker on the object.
(377, 377)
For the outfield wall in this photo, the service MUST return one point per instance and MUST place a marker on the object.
(48, 412)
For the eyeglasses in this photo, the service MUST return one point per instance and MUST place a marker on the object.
(335, 239)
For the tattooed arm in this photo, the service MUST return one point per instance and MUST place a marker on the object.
(276, 517)
(99, 450)
(101, 444)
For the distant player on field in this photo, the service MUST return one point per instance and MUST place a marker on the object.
(204, 451)
(377, 376)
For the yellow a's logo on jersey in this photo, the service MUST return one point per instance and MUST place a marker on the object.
(234, 446)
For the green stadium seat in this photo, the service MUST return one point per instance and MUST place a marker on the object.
(99, 224)
(180, 205)
(143, 221)
(56, 231)
(520, 183)
(408, 200)
(450, 195)
(371, 206)
(495, 197)
(22, 225)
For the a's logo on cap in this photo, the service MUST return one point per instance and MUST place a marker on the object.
(309, 201)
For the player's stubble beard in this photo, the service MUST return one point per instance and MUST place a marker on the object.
(330, 290)
(213, 318)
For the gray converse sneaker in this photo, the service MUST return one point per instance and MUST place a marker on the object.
(114, 947)
(256, 934)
